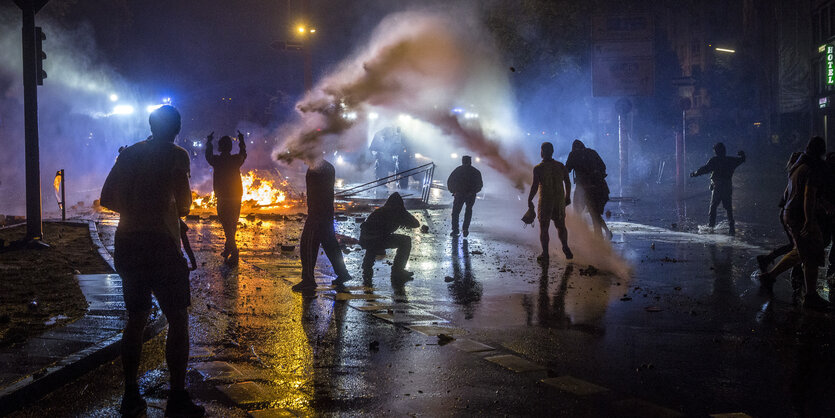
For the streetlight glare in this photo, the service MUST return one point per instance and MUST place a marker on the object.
(123, 109)
(313, 31)
(301, 29)
(730, 51)
(114, 97)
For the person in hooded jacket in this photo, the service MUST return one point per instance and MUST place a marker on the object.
(590, 175)
(377, 234)
(721, 169)
(464, 183)
(228, 188)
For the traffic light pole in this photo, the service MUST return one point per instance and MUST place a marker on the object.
(34, 226)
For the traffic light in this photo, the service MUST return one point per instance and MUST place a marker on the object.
(39, 38)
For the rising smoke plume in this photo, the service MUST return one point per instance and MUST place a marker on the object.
(421, 64)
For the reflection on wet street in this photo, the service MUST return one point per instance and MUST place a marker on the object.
(482, 327)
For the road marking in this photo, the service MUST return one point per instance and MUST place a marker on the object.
(471, 346)
(434, 331)
(517, 364)
(247, 393)
(573, 385)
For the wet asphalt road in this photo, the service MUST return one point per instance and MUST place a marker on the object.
(681, 326)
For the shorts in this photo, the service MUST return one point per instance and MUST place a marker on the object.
(551, 211)
(151, 263)
(811, 247)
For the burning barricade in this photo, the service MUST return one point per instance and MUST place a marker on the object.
(263, 193)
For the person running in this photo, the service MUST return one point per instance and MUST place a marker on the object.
(464, 183)
(228, 189)
(550, 179)
(377, 234)
(804, 218)
(318, 227)
(721, 169)
(590, 177)
(149, 187)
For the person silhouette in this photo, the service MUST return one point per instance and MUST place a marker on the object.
(590, 176)
(550, 179)
(464, 183)
(149, 187)
(721, 169)
(318, 227)
(228, 189)
(377, 234)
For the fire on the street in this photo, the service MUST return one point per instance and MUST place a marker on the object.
(261, 193)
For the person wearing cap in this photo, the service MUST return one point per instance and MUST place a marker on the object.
(464, 183)
(721, 169)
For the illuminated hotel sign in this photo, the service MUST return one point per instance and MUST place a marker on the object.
(830, 64)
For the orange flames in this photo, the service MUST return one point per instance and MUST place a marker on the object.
(261, 193)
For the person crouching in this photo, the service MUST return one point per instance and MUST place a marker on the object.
(377, 234)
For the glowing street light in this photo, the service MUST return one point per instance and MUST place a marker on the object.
(730, 51)
(114, 97)
(123, 109)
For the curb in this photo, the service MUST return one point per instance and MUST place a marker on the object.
(36, 385)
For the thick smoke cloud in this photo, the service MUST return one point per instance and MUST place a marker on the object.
(424, 65)
(77, 132)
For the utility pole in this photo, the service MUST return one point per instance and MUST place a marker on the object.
(32, 76)
(623, 107)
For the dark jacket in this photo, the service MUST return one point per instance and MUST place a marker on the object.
(386, 219)
(589, 169)
(721, 169)
(464, 180)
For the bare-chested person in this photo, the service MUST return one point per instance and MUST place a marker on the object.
(550, 178)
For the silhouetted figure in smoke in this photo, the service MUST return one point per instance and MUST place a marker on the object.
(464, 183)
(721, 169)
(318, 227)
(391, 151)
(377, 234)
(228, 188)
(550, 178)
(763, 261)
(149, 187)
(590, 176)
(382, 150)
(805, 220)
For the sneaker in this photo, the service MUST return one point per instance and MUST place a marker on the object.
(766, 281)
(568, 254)
(180, 405)
(133, 405)
(340, 281)
(466, 232)
(762, 263)
(402, 274)
(304, 287)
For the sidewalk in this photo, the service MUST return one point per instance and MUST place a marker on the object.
(46, 362)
